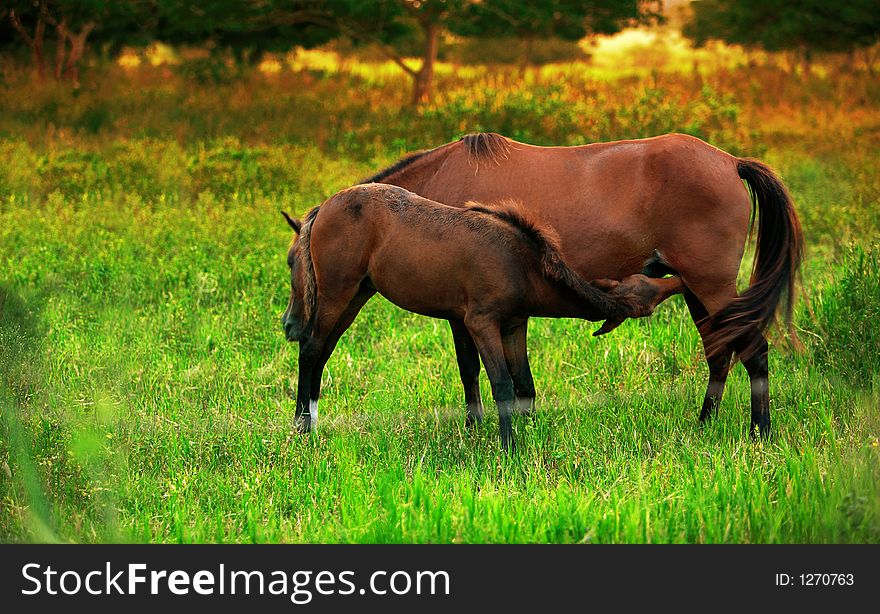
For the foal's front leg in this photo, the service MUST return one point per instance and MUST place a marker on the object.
(344, 320)
(469, 369)
(309, 355)
(487, 337)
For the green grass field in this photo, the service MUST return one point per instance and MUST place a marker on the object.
(145, 382)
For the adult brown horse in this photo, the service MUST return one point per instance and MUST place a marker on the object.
(669, 204)
(490, 268)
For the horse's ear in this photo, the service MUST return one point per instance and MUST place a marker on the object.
(295, 224)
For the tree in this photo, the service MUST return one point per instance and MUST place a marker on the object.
(569, 20)
(803, 26)
(385, 21)
(244, 26)
(391, 25)
(29, 23)
(73, 22)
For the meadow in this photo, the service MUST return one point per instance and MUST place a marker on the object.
(145, 382)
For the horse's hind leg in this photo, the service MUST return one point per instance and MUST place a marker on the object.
(517, 358)
(469, 369)
(487, 337)
(719, 363)
(709, 299)
(757, 368)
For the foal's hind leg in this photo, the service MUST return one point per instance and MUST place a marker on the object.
(469, 369)
(719, 363)
(517, 358)
(487, 336)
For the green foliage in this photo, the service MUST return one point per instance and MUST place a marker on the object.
(145, 381)
(515, 51)
(783, 25)
(209, 70)
(847, 316)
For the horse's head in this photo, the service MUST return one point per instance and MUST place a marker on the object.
(294, 319)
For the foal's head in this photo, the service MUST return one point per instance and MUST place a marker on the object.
(295, 318)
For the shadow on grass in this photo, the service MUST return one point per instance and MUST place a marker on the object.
(20, 484)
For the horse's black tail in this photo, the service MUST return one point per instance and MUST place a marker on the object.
(777, 260)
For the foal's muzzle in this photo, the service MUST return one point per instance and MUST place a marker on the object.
(291, 330)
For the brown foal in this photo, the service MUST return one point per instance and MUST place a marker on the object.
(486, 269)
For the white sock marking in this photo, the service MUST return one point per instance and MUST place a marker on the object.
(313, 413)
(759, 385)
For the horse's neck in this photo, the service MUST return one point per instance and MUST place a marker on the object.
(414, 177)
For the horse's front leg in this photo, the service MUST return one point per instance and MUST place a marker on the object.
(469, 369)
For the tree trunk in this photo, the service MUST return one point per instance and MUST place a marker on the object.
(39, 37)
(61, 33)
(806, 61)
(77, 48)
(525, 58)
(35, 42)
(424, 78)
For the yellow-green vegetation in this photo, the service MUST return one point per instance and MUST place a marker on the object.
(145, 380)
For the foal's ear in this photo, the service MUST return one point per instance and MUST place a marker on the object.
(295, 224)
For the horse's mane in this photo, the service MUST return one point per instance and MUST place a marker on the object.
(397, 166)
(486, 146)
(480, 146)
(546, 241)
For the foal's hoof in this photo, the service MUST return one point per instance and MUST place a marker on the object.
(472, 422)
(303, 424)
(759, 431)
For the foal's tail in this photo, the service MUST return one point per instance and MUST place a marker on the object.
(777, 259)
(552, 264)
(613, 308)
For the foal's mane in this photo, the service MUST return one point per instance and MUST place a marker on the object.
(512, 213)
(553, 266)
(310, 289)
(481, 146)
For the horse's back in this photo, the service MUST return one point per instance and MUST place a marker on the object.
(613, 204)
